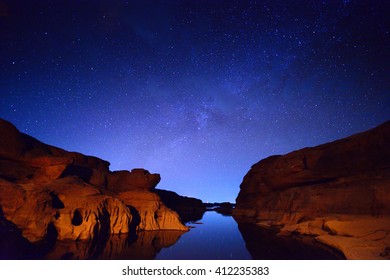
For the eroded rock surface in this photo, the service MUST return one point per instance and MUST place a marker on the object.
(153, 214)
(339, 192)
(49, 193)
(136, 180)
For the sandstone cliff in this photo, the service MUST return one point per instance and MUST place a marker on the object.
(338, 192)
(47, 192)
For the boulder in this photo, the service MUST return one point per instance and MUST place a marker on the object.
(137, 179)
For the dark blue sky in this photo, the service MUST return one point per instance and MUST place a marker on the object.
(197, 91)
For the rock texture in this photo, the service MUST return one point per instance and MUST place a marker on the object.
(137, 179)
(338, 192)
(49, 193)
(152, 213)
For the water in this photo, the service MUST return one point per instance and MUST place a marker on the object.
(213, 237)
(216, 238)
(221, 237)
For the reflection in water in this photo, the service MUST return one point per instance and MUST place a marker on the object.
(216, 238)
(146, 246)
(264, 244)
(13, 245)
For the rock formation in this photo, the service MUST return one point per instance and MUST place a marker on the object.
(66, 208)
(338, 192)
(152, 213)
(225, 208)
(189, 209)
(47, 192)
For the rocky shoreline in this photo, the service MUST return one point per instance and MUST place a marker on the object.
(49, 193)
(338, 192)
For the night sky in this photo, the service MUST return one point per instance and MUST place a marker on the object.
(197, 91)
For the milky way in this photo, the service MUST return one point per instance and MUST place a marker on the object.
(197, 91)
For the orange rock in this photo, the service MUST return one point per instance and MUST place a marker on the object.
(137, 179)
(87, 212)
(72, 209)
(343, 180)
(153, 214)
(48, 192)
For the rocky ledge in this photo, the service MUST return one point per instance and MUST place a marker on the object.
(338, 192)
(49, 193)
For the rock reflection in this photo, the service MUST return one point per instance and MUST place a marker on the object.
(145, 246)
(264, 244)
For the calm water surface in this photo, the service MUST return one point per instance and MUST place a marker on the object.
(213, 237)
(216, 238)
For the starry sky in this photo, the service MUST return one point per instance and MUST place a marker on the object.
(197, 91)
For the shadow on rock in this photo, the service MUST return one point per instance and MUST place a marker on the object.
(189, 209)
